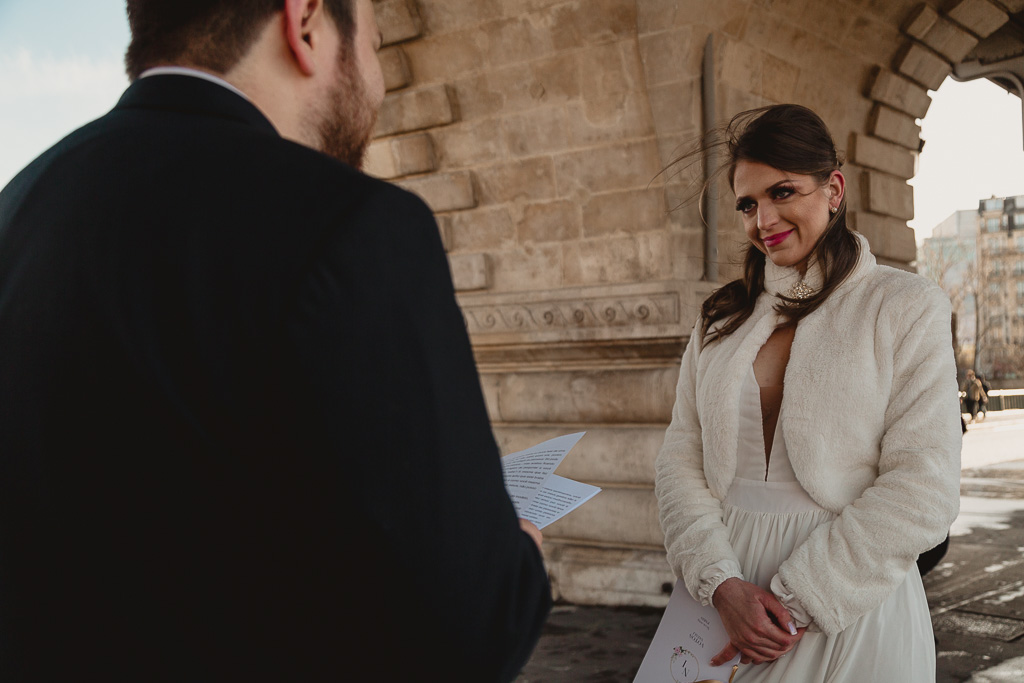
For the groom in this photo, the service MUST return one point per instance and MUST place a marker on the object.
(242, 437)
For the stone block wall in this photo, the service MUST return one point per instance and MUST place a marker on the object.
(543, 133)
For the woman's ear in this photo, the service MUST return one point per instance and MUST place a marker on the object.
(835, 189)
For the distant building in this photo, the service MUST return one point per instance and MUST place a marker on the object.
(949, 257)
(1000, 297)
(977, 257)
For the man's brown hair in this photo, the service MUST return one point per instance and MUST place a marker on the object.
(213, 34)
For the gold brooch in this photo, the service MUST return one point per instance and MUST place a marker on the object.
(800, 290)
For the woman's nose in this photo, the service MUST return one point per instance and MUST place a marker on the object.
(767, 216)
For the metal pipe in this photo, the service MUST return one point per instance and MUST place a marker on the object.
(710, 217)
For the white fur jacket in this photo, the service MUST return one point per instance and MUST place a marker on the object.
(871, 423)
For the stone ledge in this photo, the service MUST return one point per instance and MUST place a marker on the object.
(398, 20)
(611, 396)
(627, 311)
(444, 191)
(395, 66)
(890, 238)
(894, 126)
(872, 152)
(470, 271)
(593, 575)
(945, 37)
(980, 17)
(920, 64)
(887, 195)
(396, 157)
(899, 93)
(406, 111)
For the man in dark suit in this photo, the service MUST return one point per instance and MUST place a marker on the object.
(241, 433)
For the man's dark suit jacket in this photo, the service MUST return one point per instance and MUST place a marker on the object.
(242, 436)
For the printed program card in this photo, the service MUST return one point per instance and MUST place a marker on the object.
(537, 493)
(688, 636)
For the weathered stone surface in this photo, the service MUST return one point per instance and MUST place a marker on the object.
(415, 109)
(470, 271)
(920, 64)
(529, 267)
(535, 132)
(470, 143)
(616, 515)
(482, 228)
(949, 40)
(625, 311)
(920, 21)
(630, 211)
(395, 157)
(379, 161)
(874, 153)
(414, 154)
(671, 55)
(444, 191)
(622, 397)
(887, 195)
(395, 66)
(556, 221)
(889, 124)
(523, 180)
(980, 17)
(612, 167)
(890, 238)
(398, 19)
(587, 575)
(899, 93)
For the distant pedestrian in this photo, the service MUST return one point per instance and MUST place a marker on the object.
(986, 388)
(974, 394)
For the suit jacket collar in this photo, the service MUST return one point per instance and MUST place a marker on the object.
(190, 95)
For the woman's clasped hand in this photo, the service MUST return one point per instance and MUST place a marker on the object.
(760, 629)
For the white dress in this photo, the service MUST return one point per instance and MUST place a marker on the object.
(768, 514)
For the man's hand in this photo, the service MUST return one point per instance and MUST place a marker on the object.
(760, 629)
(530, 528)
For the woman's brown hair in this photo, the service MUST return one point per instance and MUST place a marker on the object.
(791, 138)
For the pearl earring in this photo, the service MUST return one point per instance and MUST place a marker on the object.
(833, 209)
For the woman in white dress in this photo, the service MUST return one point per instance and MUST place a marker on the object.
(814, 450)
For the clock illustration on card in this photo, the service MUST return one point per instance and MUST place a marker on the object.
(683, 666)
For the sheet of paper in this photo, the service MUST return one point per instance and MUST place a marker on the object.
(557, 498)
(688, 636)
(526, 471)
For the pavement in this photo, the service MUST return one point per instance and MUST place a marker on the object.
(976, 594)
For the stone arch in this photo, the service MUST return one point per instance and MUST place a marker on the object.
(536, 129)
(933, 43)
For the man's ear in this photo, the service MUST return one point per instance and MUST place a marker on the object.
(302, 22)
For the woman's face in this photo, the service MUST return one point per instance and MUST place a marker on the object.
(784, 214)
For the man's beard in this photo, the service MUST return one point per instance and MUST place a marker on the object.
(345, 124)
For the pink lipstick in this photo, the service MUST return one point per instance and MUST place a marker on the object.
(772, 240)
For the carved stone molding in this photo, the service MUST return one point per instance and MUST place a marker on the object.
(628, 311)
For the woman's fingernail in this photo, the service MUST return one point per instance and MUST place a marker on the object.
(792, 629)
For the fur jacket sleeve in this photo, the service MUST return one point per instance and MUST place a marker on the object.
(871, 423)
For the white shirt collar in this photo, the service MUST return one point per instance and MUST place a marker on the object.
(186, 71)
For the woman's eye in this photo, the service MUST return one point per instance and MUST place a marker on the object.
(783, 192)
(745, 207)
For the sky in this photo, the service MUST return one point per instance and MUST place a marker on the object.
(61, 65)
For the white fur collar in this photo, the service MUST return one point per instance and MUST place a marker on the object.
(781, 279)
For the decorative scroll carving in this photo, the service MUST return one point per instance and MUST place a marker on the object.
(601, 312)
